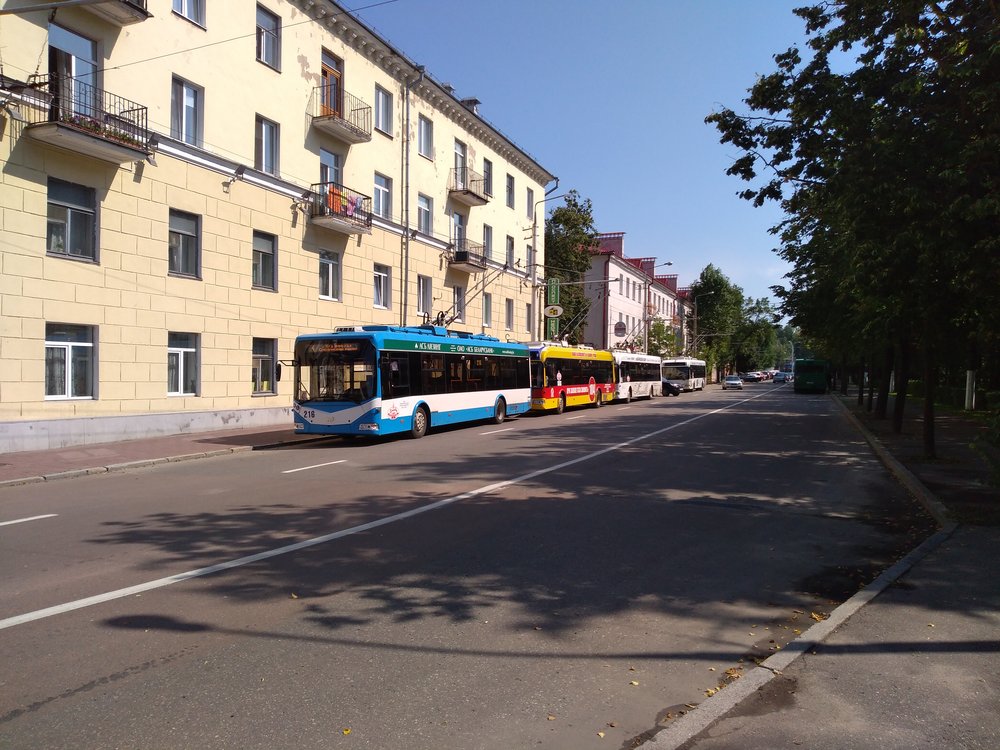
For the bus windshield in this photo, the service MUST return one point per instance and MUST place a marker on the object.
(676, 372)
(334, 370)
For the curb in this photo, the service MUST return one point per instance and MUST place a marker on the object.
(715, 707)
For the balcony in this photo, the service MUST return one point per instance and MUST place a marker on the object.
(73, 115)
(120, 12)
(341, 115)
(468, 187)
(336, 207)
(468, 256)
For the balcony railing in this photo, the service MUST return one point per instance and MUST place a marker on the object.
(468, 187)
(468, 256)
(342, 115)
(337, 207)
(120, 12)
(72, 114)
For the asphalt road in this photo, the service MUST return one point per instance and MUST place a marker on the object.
(535, 584)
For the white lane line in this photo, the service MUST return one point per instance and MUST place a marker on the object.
(578, 416)
(314, 466)
(40, 614)
(25, 520)
(497, 432)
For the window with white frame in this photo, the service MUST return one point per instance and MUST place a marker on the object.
(186, 106)
(192, 10)
(529, 316)
(458, 302)
(510, 252)
(425, 295)
(508, 321)
(383, 110)
(488, 241)
(184, 244)
(510, 191)
(383, 286)
(425, 214)
(264, 257)
(70, 362)
(531, 203)
(329, 275)
(268, 38)
(529, 257)
(425, 137)
(487, 310)
(264, 361)
(488, 176)
(182, 364)
(72, 226)
(265, 153)
(382, 199)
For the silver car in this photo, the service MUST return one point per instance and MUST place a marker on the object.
(732, 382)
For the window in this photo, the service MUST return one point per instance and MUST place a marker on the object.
(529, 258)
(458, 303)
(264, 251)
(329, 167)
(531, 203)
(487, 310)
(186, 112)
(72, 225)
(268, 38)
(382, 200)
(383, 110)
(508, 322)
(192, 10)
(488, 176)
(425, 298)
(263, 365)
(510, 252)
(182, 364)
(488, 241)
(329, 275)
(69, 361)
(183, 244)
(383, 286)
(425, 137)
(510, 191)
(425, 213)
(265, 152)
(461, 166)
(529, 316)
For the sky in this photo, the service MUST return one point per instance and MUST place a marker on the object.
(611, 97)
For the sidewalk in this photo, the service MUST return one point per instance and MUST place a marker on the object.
(62, 463)
(911, 660)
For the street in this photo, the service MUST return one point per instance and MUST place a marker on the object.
(566, 581)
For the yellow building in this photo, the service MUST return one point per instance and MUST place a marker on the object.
(188, 185)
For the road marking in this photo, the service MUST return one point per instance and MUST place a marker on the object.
(578, 416)
(497, 432)
(90, 601)
(25, 520)
(314, 466)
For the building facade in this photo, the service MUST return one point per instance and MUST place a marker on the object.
(187, 186)
(627, 296)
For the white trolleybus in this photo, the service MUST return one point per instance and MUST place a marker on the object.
(686, 373)
(636, 376)
(379, 380)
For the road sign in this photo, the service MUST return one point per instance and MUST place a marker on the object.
(553, 311)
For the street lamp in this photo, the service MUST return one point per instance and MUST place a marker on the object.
(534, 251)
(697, 297)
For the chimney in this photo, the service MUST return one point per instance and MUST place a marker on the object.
(471, 104)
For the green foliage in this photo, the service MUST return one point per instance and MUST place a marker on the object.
(662, 340)
(569, 238)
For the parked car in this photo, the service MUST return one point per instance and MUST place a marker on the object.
(732, 382)
(781, 377)
(750, 377)
(669, 389)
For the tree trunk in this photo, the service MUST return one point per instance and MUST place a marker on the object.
(902, 382)
(882, 404)
(843, 375)
(861, 382)
(930, 450)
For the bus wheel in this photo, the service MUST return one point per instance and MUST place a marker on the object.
(561, 407)
(500, 414)
(628, 398)
(599, 401)
(421, 420)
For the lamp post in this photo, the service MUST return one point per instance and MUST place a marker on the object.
(534, 266)
(697, 297)
(647, 316)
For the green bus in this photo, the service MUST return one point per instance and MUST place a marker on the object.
(811, 375)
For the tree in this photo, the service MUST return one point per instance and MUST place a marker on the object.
(888, 176)
(718, 304)
(662, 339)
(570, 237)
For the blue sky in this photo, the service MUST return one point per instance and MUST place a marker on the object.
(611, 97)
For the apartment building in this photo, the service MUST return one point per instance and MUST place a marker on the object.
(627, 296)
(187, 185)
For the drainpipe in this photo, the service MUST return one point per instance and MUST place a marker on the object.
(405, 262)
